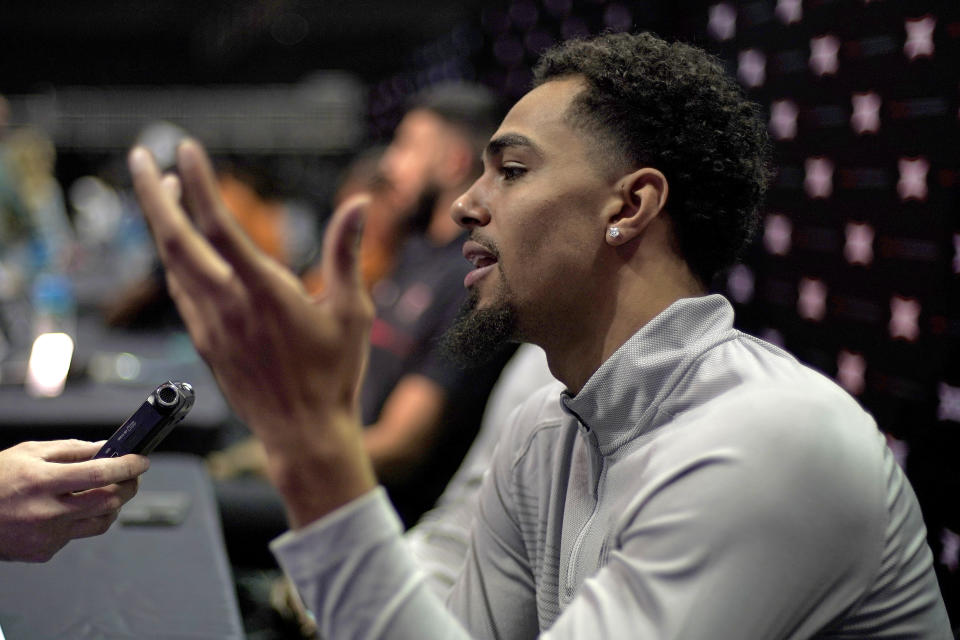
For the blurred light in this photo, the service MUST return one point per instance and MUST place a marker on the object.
(866, 112)
(859, 246)
(950, 551)
(752, 67)
(900, 450)
(913, 178)
(812, 299)
(783, 119)
(128, 366)
(777, 234)
(740, 284)
(949, 406)
(824, 52)
(722, 21)
(851, 370)
(49, 364)
(98, 209)
(818, 181)
(904, 318)
(789, 11)
(919, 43)
(162, 139)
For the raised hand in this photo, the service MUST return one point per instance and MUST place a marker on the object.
(52, 492)
(289, 364)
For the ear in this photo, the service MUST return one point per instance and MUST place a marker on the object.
(642, 197)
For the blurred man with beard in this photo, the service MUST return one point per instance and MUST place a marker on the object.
(422, 410)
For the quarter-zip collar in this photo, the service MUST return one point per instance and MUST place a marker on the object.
(622, 398)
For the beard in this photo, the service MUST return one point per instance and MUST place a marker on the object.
(479, 335)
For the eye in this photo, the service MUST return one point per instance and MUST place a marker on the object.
(512, 172)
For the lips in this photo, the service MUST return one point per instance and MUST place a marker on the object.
(482, 258)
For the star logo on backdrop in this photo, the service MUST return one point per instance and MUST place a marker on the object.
(812, 299)
(818, 182)
(783, 119)
(950, 550)
(740, 283)
(919, 43)
(949, 407)
(752, 67)
(722, 21)
(789, 11)
(913, 178)
(904, 318)
(859, 246)
(851, 371)
(866, 112)
(900, 450)
(824, 51)
(777, 234)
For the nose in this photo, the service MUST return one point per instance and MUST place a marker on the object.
(467, 212)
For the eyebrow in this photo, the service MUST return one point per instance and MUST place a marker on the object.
(497, 145)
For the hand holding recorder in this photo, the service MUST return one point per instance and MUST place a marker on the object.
(52, 492)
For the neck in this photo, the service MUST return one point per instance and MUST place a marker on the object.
(636, 291)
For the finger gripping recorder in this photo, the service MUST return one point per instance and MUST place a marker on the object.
(161, 411)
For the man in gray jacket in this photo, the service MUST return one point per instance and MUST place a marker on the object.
(685, 480)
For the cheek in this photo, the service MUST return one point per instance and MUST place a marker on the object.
(549, 253)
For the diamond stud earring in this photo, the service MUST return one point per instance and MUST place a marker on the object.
(614, 233)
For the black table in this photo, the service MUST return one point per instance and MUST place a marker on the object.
(92, 411)
(94, 402)
(144, 582)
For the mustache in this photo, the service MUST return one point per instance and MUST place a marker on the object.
(486, 243)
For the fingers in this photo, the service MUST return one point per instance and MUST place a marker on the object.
(341, 268)
(171, 183)
(98, 502)
(183, 251)
(89, 527)
(102, 472)
(66, 450)
(201, 196)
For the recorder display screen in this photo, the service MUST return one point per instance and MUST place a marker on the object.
(129, 436)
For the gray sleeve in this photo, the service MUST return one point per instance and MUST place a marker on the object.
(440, 540)
(354, 573)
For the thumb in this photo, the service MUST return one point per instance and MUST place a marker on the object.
(341, 248)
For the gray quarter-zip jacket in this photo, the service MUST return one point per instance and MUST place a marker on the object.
(702, 484)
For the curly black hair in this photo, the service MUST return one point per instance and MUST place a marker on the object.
(672, 107)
